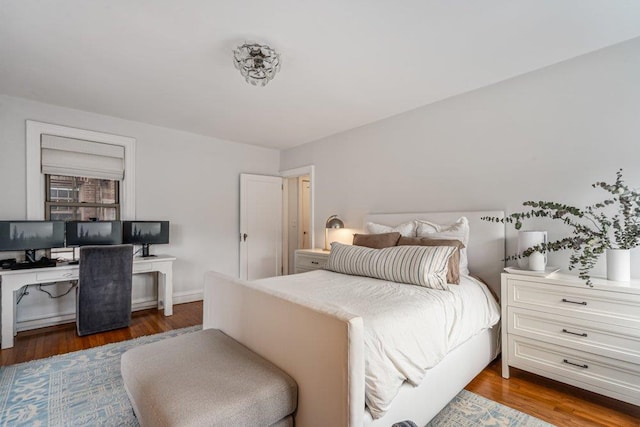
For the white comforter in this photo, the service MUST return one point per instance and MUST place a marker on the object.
(407, 328)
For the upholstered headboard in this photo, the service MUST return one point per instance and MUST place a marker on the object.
(486, 249)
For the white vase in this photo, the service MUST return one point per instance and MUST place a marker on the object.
(619, 265)
(527, 239)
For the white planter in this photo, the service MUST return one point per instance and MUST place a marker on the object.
(618, 265)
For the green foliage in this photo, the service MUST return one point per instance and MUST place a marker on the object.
(594, 228)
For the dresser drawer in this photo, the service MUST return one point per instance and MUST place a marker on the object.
(599, 338)
(307, 262)
(614, 308)
(612, 377)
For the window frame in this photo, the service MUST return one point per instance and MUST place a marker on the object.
(49, 204)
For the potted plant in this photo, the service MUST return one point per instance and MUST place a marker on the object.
(611, 224)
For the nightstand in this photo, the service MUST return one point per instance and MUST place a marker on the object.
(560, 328)
(310, 259)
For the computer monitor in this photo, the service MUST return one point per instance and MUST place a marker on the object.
(145, 233)
(29, 236)
(83, 233)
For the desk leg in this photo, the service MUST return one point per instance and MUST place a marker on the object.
(7, 307)
(165, 289)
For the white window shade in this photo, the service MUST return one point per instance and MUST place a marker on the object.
(77, 157)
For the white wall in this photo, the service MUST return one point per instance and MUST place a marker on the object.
(546, 135)
(191, 180)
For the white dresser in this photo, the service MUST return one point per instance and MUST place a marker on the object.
(310, 259)
(559, 328)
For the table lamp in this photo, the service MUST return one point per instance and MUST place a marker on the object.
(332, 222)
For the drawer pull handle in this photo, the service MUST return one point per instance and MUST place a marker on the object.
(576, 364)
(584, 334)
(315, 262)
(574, 302)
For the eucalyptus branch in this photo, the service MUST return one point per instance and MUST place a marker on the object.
(594, 230)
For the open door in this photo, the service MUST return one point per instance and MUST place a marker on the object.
(260, 226)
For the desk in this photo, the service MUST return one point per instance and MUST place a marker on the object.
(13, 280)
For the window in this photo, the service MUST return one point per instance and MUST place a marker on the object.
(38, 168)
(74, 198)
(55, 164)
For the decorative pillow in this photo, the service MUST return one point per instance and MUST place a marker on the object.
(459, 230)
(408, 229)
(453, 266)
(418, 265)
(376, 241)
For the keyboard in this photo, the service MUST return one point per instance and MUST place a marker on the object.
(37, 264)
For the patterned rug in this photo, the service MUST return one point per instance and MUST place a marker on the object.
(85, 388)
(468, 409)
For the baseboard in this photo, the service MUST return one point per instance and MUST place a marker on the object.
(42, 322)
(187, 296)
(68, 317)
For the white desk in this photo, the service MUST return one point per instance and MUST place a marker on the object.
(13, 280)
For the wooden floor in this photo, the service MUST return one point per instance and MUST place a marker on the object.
(46, 342)
(549, 400)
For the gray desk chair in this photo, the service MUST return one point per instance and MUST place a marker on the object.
(103, 296)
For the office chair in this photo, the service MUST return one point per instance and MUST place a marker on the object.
(103, 295)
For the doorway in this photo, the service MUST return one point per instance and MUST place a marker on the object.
(297, 214)
(298, 220)
(276, 218)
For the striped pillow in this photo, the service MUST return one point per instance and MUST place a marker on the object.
(418, 265)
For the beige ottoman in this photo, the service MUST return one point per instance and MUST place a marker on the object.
(206, 378)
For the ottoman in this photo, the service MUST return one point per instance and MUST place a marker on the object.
(206, 378)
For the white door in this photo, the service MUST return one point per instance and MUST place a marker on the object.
(260, 226)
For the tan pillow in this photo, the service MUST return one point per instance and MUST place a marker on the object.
(453, 268)
(376, 241)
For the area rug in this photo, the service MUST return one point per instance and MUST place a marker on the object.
(84, 388)
(468, 409)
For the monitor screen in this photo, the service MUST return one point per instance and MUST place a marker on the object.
(30, 235)
(82, 233)
(145, 232)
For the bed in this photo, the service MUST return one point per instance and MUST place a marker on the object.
(324, 349)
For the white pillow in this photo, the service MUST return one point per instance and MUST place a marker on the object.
(459, 230)
(408, 229)
(419, 265)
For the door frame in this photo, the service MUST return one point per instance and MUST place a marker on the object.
(301, 180)
(309, 170)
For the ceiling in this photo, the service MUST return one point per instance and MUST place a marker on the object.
(345, 63)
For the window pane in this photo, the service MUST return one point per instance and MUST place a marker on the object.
(70, 213)
(79, 189)
(64, 253)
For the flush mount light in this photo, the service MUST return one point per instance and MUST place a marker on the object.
(257, 63)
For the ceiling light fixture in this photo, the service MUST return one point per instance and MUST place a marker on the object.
(257, 63)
